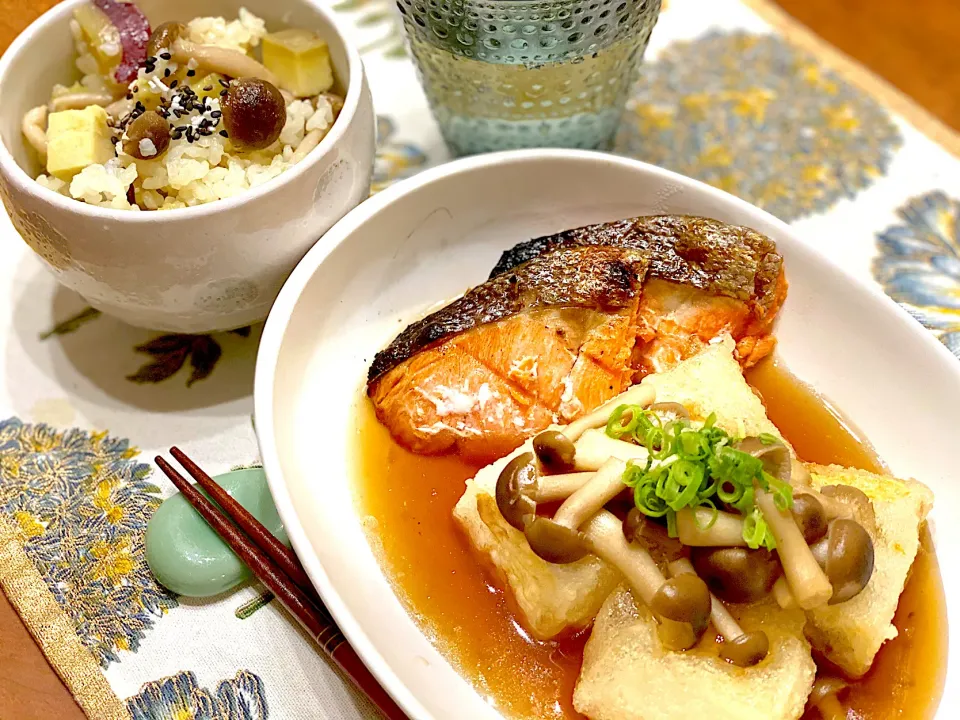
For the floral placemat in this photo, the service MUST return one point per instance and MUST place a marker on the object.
(731, 92)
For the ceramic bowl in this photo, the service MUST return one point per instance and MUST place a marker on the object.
(425, 241)
(213, 267)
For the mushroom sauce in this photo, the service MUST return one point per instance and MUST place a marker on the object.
(410, 499)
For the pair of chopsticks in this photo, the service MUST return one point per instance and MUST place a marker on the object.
(277, 567)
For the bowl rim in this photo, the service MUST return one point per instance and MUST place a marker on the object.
(21, 178)
(284, 307)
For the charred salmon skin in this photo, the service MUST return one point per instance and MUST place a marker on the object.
(566, 322)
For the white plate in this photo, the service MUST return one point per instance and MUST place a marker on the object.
(426, 240)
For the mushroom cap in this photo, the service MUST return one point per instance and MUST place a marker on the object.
(746, 650)
(554, 542)
(672, 408)
(517, 489)
(849, 559)
(163, 36)
(775, 456)
(737, 574)
(856, 501)
(555, 450)
(684, 599)
(824, 687)
(810, 517)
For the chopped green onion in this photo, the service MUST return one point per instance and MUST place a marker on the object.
(768, 439)
(672, 524)
(688, 467)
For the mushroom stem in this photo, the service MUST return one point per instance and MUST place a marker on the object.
(604, 535)
(595, 447)
(743, 649)
(80, 100)
(119, 108)
(600, 489)
(808, 582)
(225, 61)
(642, 395)
(782, 594)
(726, 530)
(34, 128)
(560, 487)
(825, 697)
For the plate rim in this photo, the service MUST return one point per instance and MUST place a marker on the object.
(286, 303)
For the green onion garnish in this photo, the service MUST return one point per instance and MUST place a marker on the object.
(690, 467)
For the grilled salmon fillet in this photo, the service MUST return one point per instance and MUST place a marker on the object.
(566, 322)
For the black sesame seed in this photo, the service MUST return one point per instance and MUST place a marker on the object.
(191, 73)
(174, 83)
(129, 96)
(208, 88)
(224, 133)
(223, 93)
(216, 114)
(224, 83)
(165, 55)
(166, 72)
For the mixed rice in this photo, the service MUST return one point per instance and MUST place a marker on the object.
(201, 72)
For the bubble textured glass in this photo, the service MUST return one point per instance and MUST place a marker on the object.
(503, 74)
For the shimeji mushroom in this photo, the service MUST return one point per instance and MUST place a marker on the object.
(555, 448)
(521, 487)
(226, 61)
(681, 605)
(642, 395)
(808, 583)
(557, 539)
(595, 447)
(737, 574)
(782, 594)
(810, 517)
(703, 527)
(743, 649)
(846, 554)
(825, 698)
(810, 586)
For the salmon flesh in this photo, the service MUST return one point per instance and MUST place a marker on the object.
(568, 321)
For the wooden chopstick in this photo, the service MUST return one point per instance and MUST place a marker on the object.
(264, 539)
(310, 614)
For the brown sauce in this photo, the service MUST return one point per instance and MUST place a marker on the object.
(447, 591)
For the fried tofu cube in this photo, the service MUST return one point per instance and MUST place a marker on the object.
(628, 675)
(851, 633)
(76, 139)
(300, 60)
(554, 598)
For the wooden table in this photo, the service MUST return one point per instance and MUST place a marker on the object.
(914, 45)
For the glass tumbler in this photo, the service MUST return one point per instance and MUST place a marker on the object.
(502, 74)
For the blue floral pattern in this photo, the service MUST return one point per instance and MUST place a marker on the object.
(180, 698)
(394, 161)
(760, 118)
(919, 263)
(81, 503)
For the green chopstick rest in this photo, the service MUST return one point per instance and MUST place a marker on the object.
(184, 553)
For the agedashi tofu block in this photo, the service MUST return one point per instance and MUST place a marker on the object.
(76, 139)
(300, 60)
